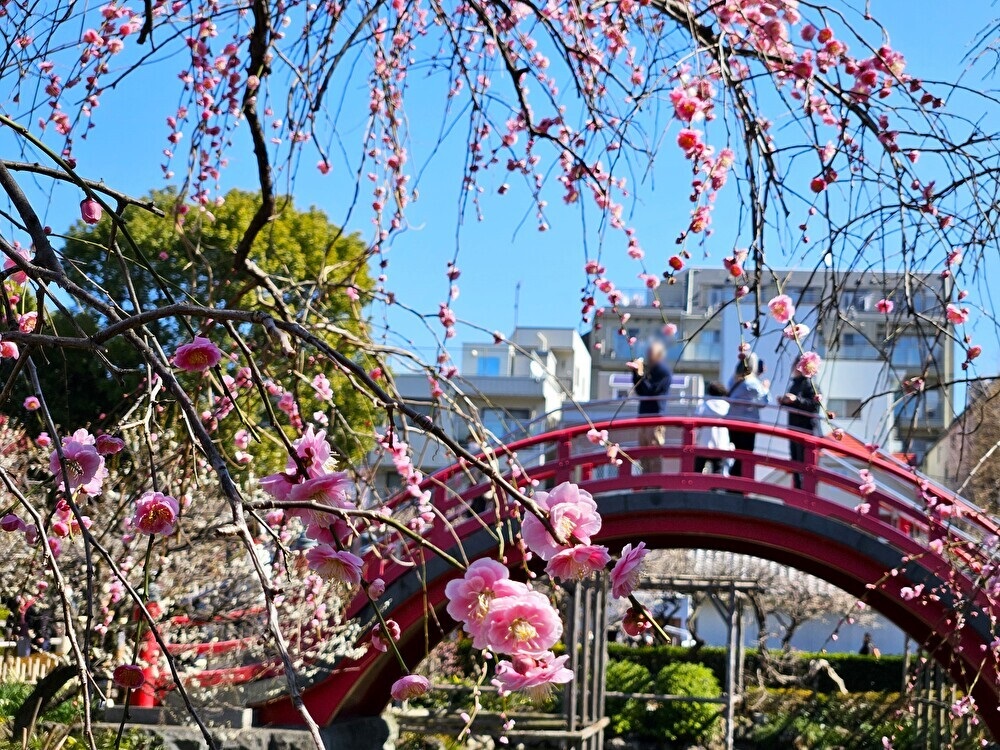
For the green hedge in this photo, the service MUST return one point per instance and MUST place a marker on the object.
(860, 673)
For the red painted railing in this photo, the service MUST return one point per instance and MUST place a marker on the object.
(898, 508)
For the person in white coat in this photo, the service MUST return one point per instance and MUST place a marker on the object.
(716, 437)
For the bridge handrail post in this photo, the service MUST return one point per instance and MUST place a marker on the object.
(810, 462)
(689, 446)
(564, 472)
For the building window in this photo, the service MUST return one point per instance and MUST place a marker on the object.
(488, 366)
(855, 346)
(718, 296)
(506, 422)
(922, 409)
(705, 347)
(844, 408)
(913, 350)
(621, 349)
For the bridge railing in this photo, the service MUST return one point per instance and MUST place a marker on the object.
(907, 493)
(896, 507)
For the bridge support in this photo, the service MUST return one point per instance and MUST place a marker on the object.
(586, 638)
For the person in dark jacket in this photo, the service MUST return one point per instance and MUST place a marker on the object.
(748, 395)
(868, 647)
(804, 400)
(651, 379)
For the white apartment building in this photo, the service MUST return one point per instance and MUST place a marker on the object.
(514, 389)
(867, 354)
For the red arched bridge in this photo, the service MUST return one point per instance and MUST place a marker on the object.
(922, 533)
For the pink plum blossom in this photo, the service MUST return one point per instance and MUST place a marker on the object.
(782, 308)
(155, 513)
(523, 623)
(470, 597)
(534, 674)
(9, 350)
(328, 489)
(321, 384)
(957, 315)
(26, 323)
(279, 486)
(333, 564)
(908, 593)
(625, 574)
(314, 452)
(796, 331)
(867, 485)
(809, 364)
(572, 513)
(18, 277)
(198, 356)
(84, 466)
(578, 562)
(411, 686)
(31, 403)
(885, 306)
(597, 437)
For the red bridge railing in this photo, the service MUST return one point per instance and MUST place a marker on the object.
(905, 508)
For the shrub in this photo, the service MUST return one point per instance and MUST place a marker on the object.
(683, 722)
(860, 673)
(627, 714)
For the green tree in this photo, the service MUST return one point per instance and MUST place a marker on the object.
(187, 255)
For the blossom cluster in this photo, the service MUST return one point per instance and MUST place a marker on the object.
(508, 617)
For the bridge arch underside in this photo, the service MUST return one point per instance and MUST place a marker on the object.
(825, 547)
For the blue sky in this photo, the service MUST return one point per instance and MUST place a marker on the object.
(506, 248)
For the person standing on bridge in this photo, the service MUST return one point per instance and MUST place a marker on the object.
(651, 379)
(804, 401)
(748, 395)
(716, 437)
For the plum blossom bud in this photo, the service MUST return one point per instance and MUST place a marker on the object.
(90, 211)
(376, 588)
(10, 523)
(128, 676)
(108, 445)
(634, 622)
(379, 641)
(411, 686)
